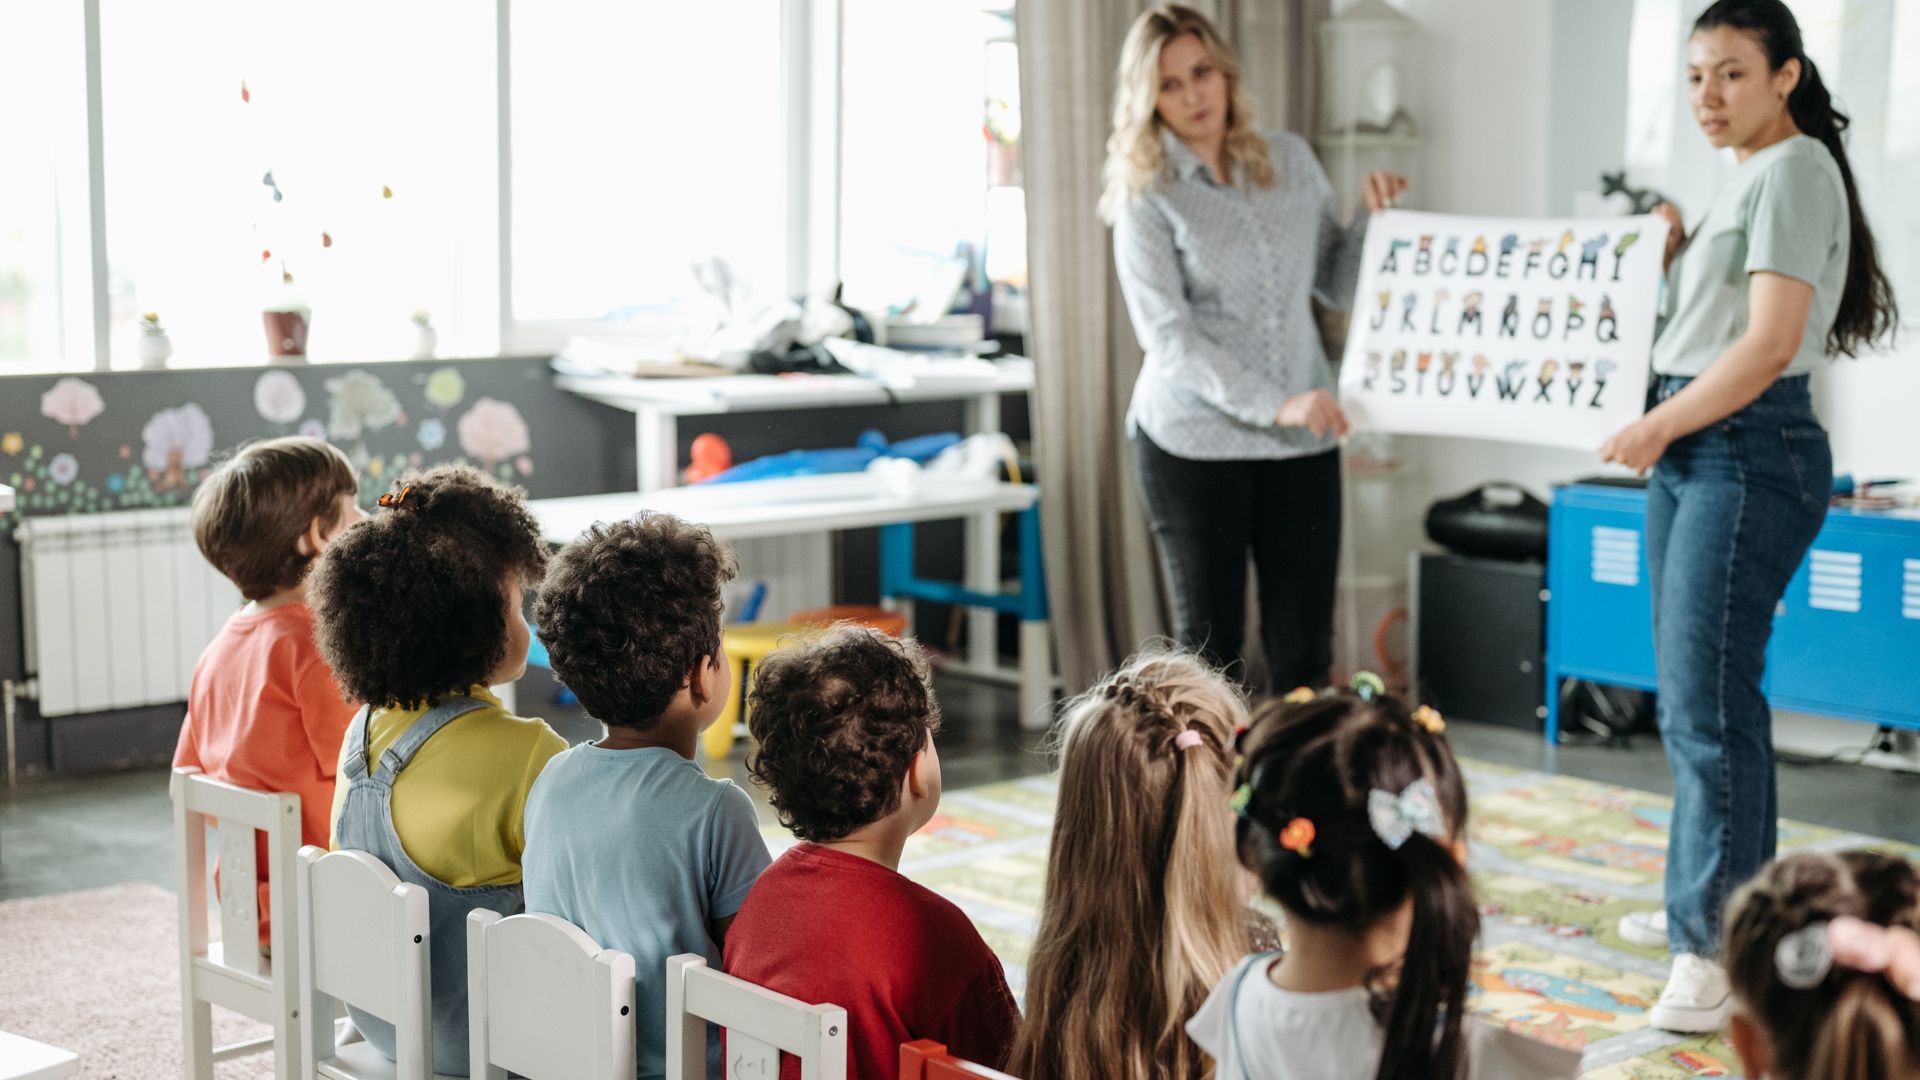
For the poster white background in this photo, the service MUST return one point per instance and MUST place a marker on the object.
(1558, 353)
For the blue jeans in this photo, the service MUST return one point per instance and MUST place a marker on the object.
(1731, 511)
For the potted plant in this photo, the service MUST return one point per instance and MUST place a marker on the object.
(287, 319)
(153, 346)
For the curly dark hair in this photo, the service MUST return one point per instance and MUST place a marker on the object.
(837, 721)
(410, 605)
(630, 610)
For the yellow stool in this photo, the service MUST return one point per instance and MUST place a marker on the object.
(752, 643)
(748, 643)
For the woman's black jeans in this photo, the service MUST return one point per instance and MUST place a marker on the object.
(1206, 517)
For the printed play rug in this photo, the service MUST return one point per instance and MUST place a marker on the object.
(1557, 861)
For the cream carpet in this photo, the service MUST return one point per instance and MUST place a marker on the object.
(98, 973)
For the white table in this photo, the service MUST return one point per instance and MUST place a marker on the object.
(23, 1059)
(658, 404)
(822, 504)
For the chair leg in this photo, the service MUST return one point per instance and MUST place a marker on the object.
(197, 1037)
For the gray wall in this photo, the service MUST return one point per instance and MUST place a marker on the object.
(1587, 96)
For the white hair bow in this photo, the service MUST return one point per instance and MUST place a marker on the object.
(1396, 817)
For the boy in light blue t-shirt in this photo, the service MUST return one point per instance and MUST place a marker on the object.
(627, 837)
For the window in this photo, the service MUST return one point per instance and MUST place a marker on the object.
(338, 157)
(930, 176)
(646, 137)
(44, 285)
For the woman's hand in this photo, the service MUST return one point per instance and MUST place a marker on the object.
(1315, 410)
(1383, 190)
(1676, 232)
(1638, 446)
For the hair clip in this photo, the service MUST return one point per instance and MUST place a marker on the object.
(1298, 836)
(1367, 685)
(1187, 739)
(393, 501)
(1300, 695)
(1429, 719)
(1396, 817)
(1802, 958)
(1242, 795)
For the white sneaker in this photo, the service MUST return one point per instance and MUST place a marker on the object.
(1647, 928)
(1697, 997)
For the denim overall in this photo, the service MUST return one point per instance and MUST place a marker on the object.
(366, 824)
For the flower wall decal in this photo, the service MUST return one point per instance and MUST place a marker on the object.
(278, 397)
(493, 431)
(72, 402)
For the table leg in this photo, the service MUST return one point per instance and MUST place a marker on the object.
(656, 449)
(1036, 676)
(983, 550)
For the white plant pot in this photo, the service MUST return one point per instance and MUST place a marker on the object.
(426, 342)
(153, 350)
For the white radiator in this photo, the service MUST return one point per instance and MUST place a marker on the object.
(118, 607)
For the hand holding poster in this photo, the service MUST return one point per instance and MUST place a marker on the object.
(1523, 329)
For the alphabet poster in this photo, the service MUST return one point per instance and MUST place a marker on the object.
(1531, 330)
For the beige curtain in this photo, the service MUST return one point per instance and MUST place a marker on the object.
(1102, 570)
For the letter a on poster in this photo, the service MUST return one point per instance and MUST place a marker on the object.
(1528, 330)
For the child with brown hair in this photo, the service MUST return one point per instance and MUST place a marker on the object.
(1145, 908)
(1353, 813)
(419, 611)
(844, 727)
(263, 709)
(1814, 949)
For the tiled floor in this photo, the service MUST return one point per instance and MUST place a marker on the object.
(81, 832)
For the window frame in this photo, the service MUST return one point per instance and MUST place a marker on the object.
(810, 33)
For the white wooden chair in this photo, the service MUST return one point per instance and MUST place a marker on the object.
(546, 1001)
(364, 941)
(230, 972)
(759, 1025)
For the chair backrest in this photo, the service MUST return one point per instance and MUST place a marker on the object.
(545, 1000)
(364, 942)
(232, 973)
(759, 1024)
(924, 1059)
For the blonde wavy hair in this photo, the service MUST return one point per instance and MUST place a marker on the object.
(1145, 903)
(1135, 156)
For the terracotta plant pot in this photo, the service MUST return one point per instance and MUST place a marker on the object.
(286, 333)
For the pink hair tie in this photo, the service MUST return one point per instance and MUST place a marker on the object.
(1186, 740)
(1859, 945)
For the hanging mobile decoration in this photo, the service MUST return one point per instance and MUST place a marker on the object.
(386, 192)
(326, 239)
(245, 94)
(268, 181)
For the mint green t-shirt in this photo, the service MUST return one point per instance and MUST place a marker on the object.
(1784, 212)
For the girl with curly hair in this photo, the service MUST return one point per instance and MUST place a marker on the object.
(418, 610)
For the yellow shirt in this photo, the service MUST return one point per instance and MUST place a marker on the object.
(457, 806)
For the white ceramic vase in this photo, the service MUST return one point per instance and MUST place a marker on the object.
(426, 342)
(153, 348)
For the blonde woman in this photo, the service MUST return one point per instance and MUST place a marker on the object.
(1222, 234)
(1145, 906)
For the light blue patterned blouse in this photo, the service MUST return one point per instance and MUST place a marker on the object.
(1218, 280)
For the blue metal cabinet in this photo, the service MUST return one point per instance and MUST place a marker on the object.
(1846, 640)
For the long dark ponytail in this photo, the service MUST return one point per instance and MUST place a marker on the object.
(1867, 310)
(1319, 762)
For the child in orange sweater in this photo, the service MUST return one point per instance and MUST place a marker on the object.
(263, 709)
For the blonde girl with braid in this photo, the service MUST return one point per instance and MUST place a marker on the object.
(1819, 950)
(1145, 908)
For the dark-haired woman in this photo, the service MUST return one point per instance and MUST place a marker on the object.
(1779, 276)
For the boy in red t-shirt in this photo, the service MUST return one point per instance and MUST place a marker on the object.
(263, 710)
(844, 727)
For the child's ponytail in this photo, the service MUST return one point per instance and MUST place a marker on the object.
(1824, 1020)
(1351, 808)
(1431, 992)
(1869, 1033)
